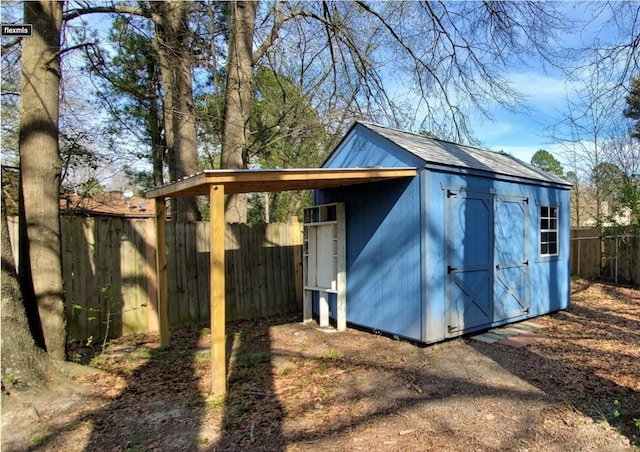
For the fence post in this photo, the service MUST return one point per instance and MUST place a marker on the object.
(579, 257)
(617, 257)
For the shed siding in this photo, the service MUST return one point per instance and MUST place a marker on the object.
(383, 256)
(548, 280)
(363, 148)
(383, 238)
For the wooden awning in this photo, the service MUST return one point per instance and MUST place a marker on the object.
(256, 181)
(216, 184)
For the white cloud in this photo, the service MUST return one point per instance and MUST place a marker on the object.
(525, 152)
(534, 85)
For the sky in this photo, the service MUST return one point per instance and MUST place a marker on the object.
(524, 132)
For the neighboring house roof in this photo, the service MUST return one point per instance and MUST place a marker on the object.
(445, 153)
(112, 204)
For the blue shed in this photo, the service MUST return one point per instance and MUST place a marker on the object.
(475, 240)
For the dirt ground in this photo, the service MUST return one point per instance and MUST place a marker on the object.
(296, 387)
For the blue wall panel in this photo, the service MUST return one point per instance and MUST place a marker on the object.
(383, 255)
(363, 148)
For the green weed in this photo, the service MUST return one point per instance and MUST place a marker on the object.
(216, 401)
(332, 354)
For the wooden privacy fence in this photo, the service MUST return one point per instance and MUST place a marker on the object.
(110, 276)
(609, 253)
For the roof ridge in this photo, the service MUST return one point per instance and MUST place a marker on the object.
(435, 150)
(408, 132)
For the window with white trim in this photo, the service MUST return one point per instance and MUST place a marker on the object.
(548, 231)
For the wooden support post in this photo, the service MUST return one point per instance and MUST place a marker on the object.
(217, 290)
(161, 268)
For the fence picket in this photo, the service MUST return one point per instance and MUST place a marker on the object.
(109, 263)
(612, 254)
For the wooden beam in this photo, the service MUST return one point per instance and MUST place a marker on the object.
(161, 268)
(248, 181)
(217, 290)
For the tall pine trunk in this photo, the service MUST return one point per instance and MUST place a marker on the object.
(176, 62)
(40, 168)
(236, 133)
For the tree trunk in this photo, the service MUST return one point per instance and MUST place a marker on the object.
(23, 363)
(40, 168)
(154, 119)
(176, 62)
(238, 100)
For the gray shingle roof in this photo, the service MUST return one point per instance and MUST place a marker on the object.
(457, 155)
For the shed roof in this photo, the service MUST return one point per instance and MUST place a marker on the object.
(445, 153)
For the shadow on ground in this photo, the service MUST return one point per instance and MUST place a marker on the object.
(589, 358)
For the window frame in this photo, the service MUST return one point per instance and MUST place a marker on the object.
(548, 224)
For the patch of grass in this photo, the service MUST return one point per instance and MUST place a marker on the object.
(286, 371)
(39, 440)
(216, 401)
(202, 356)
(144, 353)
(332, 354)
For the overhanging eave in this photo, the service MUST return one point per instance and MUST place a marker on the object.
(250, 181)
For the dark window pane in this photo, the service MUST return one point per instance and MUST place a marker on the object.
(543, 248)
(544, 223)
(553, 212)
(553, 224)
(544, 211)
(553, 248)
(553, 237)
(544, 237)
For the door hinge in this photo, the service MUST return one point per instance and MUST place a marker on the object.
(450, 193)
(525, 200)
(526, 262)
(451, 269)
(452, 328)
